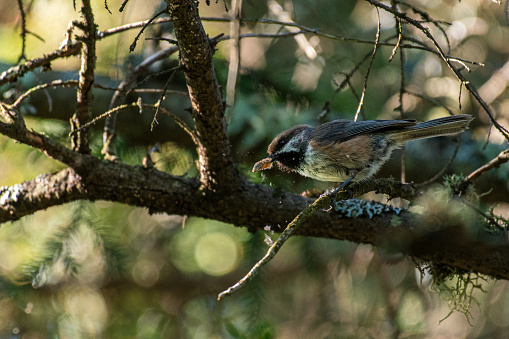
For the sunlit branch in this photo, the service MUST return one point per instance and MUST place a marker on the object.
(234, 62)
(500, 159)
(13, 73)
(86, 78)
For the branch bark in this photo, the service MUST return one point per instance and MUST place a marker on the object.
(214, 152)
(13, 73)
(86, 79)
(484, 252)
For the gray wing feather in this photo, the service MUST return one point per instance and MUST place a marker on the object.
(342, 130)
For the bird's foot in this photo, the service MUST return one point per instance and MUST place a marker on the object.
(332, 194)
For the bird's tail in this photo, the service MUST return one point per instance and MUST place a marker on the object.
(449, 125)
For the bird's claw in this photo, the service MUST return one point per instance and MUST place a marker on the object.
(332, 193)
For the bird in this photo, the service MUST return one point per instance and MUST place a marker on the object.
(344, 151)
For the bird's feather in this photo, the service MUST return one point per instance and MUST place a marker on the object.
(341, 130)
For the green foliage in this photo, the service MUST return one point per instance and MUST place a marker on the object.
(64, 253)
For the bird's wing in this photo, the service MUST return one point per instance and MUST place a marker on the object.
(343, 130)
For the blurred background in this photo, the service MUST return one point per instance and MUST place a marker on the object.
(104, 270)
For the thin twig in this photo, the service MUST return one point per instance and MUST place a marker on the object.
(377, 38)
(181, 124)
(500, 159)
(402, 86)
(447, 61)
(120, 108)
(346, 81)
(442, 171)
(119, 97)
(355, 94)
(318, 204)
(102, 116)
(23, 32)
(133, 45)
(399, 33)
(304, 29)
(122, 6)
(399, 30)
(74, 83)
(428, 19)
(434, 102)
(263, 35)
(162, 96)
(15, 72)
(126, 27)
(61, 83)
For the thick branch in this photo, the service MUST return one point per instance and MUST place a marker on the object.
(250, 205)
(40, 193)
(254, 206)
(18, 132)
(214, 152)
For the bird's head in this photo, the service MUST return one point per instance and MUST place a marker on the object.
(287, 149)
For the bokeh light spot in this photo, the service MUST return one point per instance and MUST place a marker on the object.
(145, 273)
(216, 254)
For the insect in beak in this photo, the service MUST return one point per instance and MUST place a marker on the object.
(263, 164)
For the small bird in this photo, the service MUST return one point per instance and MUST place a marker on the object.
(344, 151)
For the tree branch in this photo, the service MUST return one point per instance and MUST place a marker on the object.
(86, 79)
(40, 193)
(500, 159)
(13, 73)
(214, 152)
(485, 252)
(251, 205)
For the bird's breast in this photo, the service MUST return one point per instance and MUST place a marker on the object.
(336, 161)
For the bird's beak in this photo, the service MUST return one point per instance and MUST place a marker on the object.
(263, 164)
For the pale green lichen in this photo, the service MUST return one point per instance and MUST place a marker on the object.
(455, 286)
(354, 208)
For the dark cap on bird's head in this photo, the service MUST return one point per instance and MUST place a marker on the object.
(286, 149)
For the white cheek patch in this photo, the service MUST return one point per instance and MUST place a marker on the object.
(293, 145)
